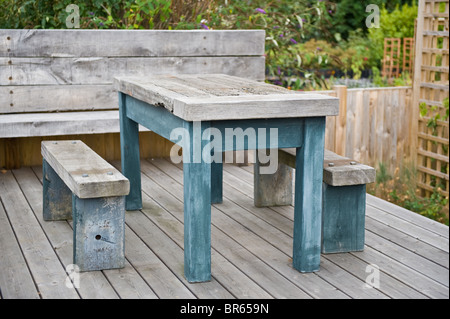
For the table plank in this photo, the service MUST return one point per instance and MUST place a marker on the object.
(203, 97)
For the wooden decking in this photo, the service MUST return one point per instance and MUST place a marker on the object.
(406, 255)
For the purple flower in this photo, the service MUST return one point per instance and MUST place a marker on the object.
(278, 70)
(204, 26)
(101, 24)
(293, 41)
(261, 10)
(281, 35)
(91, 13)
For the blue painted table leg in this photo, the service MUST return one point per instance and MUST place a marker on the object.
(129, 148)
(308, 197)
(197, 206)
(57, 197)
(98, 232)
(216, 182)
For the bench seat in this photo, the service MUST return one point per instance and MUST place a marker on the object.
(64, 123)
(79, 184)
(343, 197)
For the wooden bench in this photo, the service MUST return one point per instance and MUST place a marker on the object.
(79, 184)
(60, 82)
(343, 197)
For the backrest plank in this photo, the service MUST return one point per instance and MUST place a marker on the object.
(130, 43)
(73, 70)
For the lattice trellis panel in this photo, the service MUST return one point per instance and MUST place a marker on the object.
(430, 90)
(408, 55)
(391, 58)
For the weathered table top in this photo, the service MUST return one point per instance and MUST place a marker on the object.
(209, 97)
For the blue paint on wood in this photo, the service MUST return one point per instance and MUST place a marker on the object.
(216, 182)
(343, 219)
(57, 197)
(156, 118)
(98, 233)
(129, 147)
(308, 197)
(257, 132)
(197, 207)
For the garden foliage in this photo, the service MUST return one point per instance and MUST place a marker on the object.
(306, 41)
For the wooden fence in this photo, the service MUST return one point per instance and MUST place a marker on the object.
(373, 126)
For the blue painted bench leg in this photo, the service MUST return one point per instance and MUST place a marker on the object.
(308, 197)
(57, 197)
(216, 183)
(129, 148)
(197, 207)
(98, 232)
(344, 209)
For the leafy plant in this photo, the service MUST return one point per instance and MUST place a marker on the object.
(398, 23)
(400, 189)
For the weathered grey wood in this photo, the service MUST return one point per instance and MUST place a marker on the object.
(273, 189)
(72, 70)
(67, 123)
(261, 241)
(48, 273)
(340, 173)
(407, 241)
(171, 254)
(56, 98)
(93, 285)
(234, 237)
(84, 172)
(405, 226)
(16, 281)
(411, 217)
(97, 43)
(236, 221)
(403, 272)
(101, 70)
(98, 232)
(237, 103)
(228, 275)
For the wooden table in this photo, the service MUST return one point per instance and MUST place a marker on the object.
(189, 109)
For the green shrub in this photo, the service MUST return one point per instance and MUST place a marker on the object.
(400, 189)
(396, 24)
(349, 15)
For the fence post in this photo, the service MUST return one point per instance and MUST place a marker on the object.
(341, 120)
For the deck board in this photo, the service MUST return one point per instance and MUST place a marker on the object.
(251, 248)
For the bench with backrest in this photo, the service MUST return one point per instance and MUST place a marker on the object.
(60, 82)
(343, 197)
